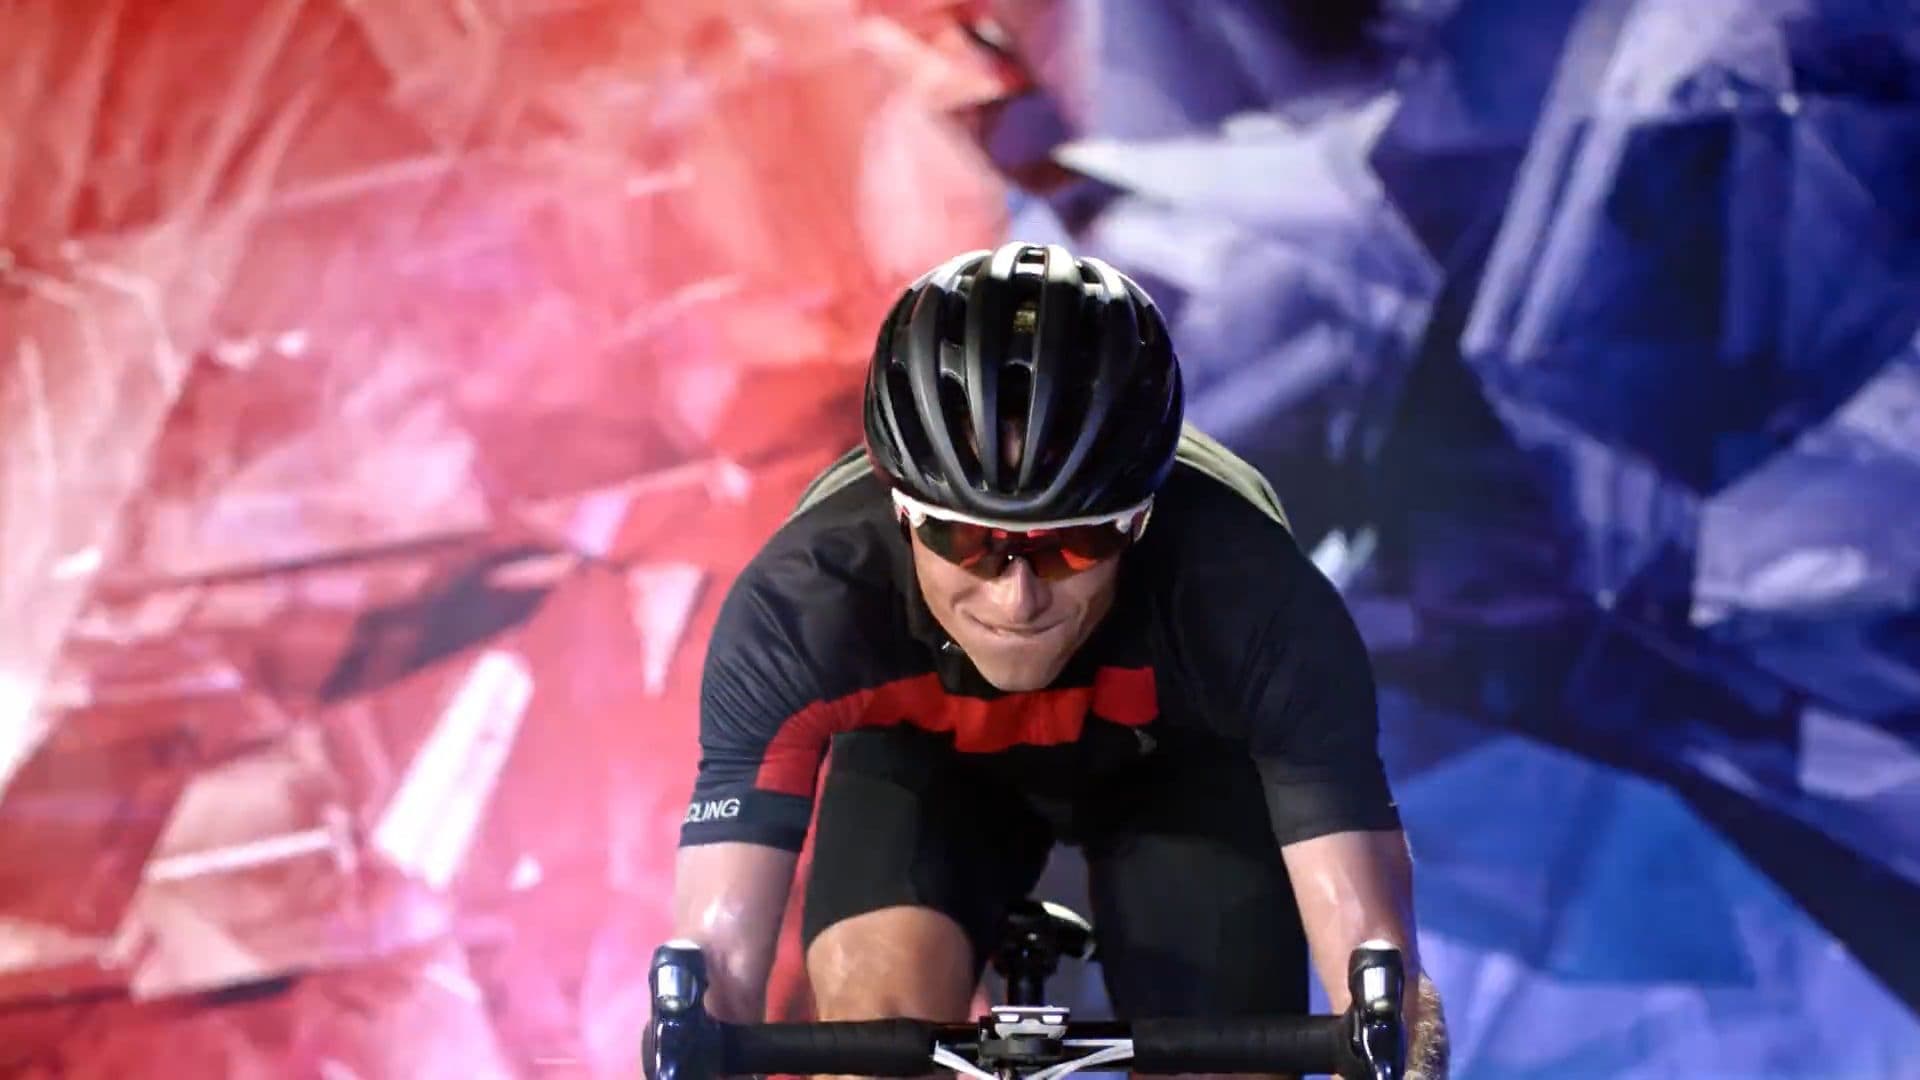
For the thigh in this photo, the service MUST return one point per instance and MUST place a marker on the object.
(1191, 900)
(905, 820)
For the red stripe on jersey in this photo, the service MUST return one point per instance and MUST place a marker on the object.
(979, 726)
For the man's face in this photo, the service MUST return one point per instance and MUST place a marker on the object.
(1018, 630)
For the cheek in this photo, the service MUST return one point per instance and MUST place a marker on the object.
(1084, 587)
(947, 597)
(1087, 593)
(943, 585)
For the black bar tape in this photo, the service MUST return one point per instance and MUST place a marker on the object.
(1283, 1044)
(862, 1047)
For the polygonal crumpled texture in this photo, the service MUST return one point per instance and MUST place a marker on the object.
(1580, 339)
(392, 391)
(1223, 154)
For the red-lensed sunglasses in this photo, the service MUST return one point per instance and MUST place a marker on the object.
(1055, 550)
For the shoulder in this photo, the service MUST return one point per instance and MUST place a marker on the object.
(1253, 629)
(1208, 541)
(821, 593)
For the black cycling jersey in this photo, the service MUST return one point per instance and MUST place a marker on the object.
(1222, 628)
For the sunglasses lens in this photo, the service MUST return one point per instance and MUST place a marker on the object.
(1093, 544)
(1060, 553)
(1053, 553)
(960, 543)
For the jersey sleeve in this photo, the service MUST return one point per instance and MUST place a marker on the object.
(1266, 650)
(1315, 728)
(764, 729)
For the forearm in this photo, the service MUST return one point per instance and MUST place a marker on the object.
(729, 899)
(737, 975)
(1427, 1056)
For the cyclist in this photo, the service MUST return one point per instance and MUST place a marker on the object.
(1036, 607)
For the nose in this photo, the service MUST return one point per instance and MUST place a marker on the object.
(1018, 595)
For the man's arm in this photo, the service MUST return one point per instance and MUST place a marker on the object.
(1316, 741)
(762, 737)
(1277, 653)
(729, 898)
(1353, 887)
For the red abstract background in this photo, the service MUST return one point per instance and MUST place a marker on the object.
(390, 393)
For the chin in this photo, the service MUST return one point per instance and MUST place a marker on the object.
(1017, 678)
(1015, 684)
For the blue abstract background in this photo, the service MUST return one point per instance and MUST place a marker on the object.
(1580, 339)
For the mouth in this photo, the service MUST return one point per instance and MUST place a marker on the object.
(1018, 633)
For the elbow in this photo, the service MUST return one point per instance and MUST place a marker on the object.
(738, 948)
(737, 973)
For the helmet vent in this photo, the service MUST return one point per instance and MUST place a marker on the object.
(1026, 318)
(912, 433)
(955, 411)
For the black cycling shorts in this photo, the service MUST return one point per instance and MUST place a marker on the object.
(1190, 898)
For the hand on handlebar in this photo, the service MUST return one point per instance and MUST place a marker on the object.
(681, 1041)
(1376, 1022)
(678, 982)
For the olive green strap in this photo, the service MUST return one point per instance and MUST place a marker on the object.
(845, 469)
(1204, 452)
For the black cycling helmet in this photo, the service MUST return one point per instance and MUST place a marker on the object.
(1062, 364)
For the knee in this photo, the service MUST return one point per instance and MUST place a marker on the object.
(902, 961)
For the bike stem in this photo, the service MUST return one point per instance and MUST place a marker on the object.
(1028, 986)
